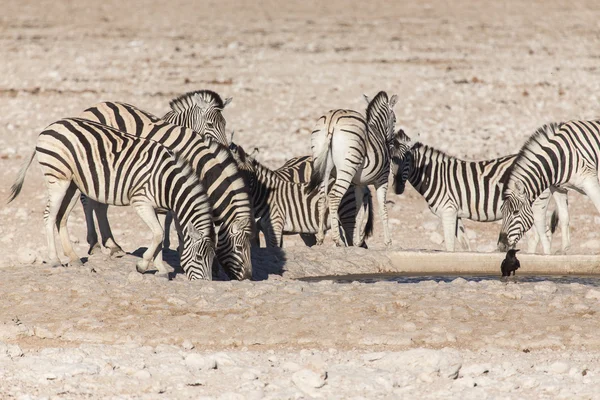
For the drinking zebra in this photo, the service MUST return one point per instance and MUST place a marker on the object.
(216, 168)
(360, 151)
(112, 167)
(557, 154)
(299, 169)
(283, 206)
(200, 111)
(456, 189)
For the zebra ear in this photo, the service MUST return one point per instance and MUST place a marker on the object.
(194, 233)
(227, 101)
(367, 98)
(393, 101)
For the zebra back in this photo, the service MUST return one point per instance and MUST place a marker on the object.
(230, 198)
(112, 167)
(202, 112)
(473, 188)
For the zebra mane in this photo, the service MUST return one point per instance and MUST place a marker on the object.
(190, 99)
(378, 110)
(541, 134)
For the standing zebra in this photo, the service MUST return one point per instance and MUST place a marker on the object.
(456, 189)
(299, 169)
(283, 206)
(200, 111)
(112, 167)
(565, 155)
(360, 151)
(216, 168)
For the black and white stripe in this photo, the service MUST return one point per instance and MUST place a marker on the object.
(202, 112)
(283, 206)
(216, 168)
(456, 189)
(112, 167)
(360, 150)
(557, 154)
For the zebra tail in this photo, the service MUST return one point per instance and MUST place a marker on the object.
(319, 166)
(554, 221)
(371, 214)
(15, 189)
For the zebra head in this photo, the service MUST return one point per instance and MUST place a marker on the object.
(517, 215)
(233, 250)
(198, 253)
(401, 156)
(380, 115)
(201, 111)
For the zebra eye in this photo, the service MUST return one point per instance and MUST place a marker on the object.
(515, 213)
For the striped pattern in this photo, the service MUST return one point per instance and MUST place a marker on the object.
(217, 170)
(299, 169)
(112, 167)
(283, 206)
(456, 189)
(202, 112)
(557, 154)
(360, 151)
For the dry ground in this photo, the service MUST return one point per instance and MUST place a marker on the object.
(474, 78)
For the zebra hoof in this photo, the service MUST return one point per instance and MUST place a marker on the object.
(161, 275)
(95, 249)
(55, 264)
(116, 252)
(142, 266)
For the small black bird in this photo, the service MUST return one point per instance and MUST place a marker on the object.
(510, 263)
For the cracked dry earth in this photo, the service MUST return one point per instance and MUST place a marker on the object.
(474, 78)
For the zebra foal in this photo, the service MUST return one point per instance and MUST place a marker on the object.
(360, 150)
(283, 206)
(112, 167)
(214, 165)
(557, 154)
(456, 189)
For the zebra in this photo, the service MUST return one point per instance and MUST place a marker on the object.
(112, 167)
(200, 111)
(299, 169)
(564, 154)
(455, 189)
(216, 168)
(360, 151)
(283, 206)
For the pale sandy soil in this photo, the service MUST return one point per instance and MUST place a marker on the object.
(474, 78)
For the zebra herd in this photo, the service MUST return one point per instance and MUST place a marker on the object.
(182, 168)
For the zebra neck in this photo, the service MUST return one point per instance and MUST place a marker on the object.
(535, 176)
(265, 176)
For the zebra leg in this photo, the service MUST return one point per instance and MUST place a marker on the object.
(57, 190)
(533, 238)
(154, 252)
(92, 236)
(562, 206)
(539, 208)
(166, 221)
(67, 205)
(449, 221)
(361, 220)
(461, 235)
(381, 199)
(108, 240)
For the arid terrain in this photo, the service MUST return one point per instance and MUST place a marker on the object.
(474, 79)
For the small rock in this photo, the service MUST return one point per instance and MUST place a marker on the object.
(143, 374)
(249, 375)
(307, 380)
(373, 356)
(196, 361)
(43, 333)
(593, 294)
(135, 277)
(559, 367)
(188, 345)
(290, 366)
(222, 360)
(26, 256)
(545, 287)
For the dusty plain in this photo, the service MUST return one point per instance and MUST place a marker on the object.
(474, 79)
